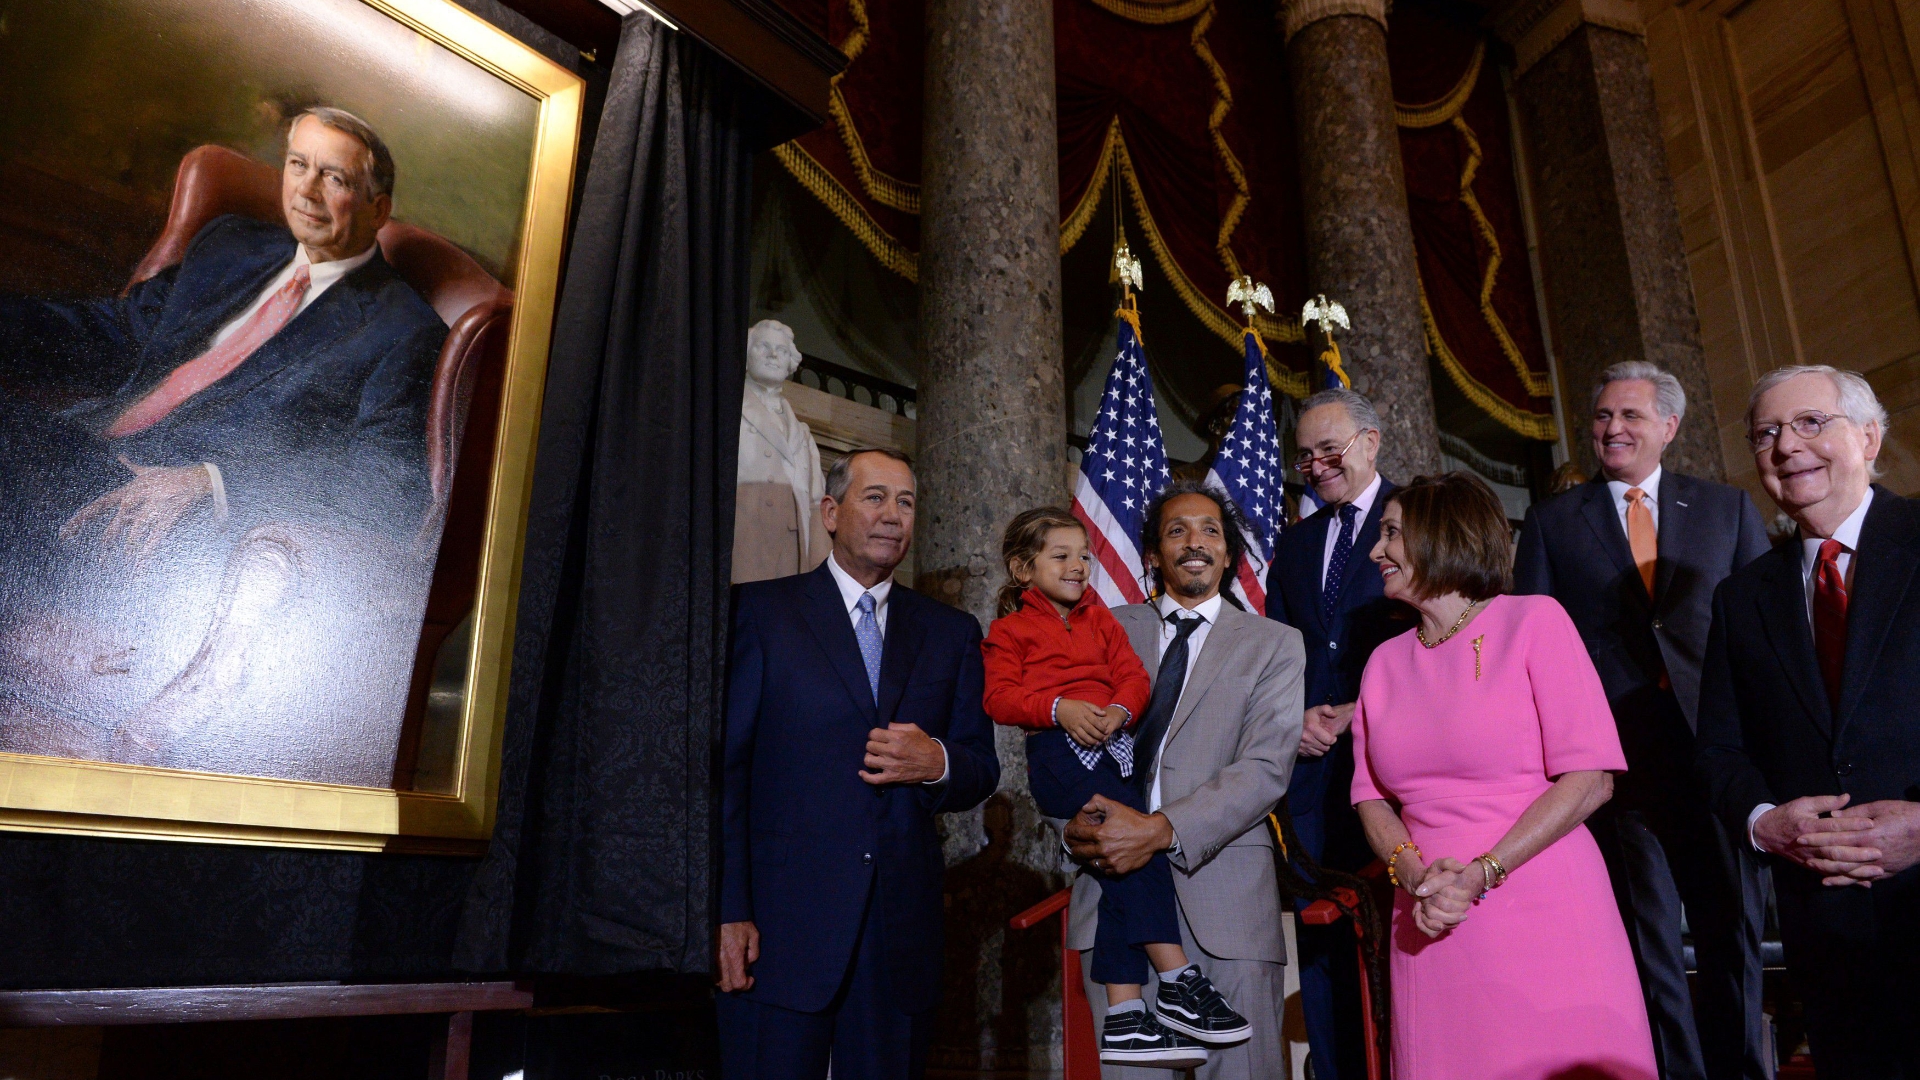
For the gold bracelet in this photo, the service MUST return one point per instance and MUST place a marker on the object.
(1393, 874)
(1495, 874)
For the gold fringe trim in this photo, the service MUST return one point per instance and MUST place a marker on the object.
(885, 189)
(1435, 113)
(1222, 105)
(1536, 384)
(1077, 223)
(1447, 110)
(1529, 424)
(1154, 12)
(892, 254)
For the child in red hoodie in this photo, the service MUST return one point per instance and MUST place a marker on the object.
(1059, 664)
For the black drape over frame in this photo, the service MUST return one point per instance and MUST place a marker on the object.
(602, 858)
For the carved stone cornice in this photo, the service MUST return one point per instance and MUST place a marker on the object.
(1534, 27)
(1297, 15)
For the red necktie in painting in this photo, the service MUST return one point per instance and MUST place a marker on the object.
(1830, 618)
(216, 363)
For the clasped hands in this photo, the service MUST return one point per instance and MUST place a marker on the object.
(1087, 725)
(1322, 727)
(1850, 845)
(1443, 892)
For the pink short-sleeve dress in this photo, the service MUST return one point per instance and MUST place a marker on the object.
(1539, 982)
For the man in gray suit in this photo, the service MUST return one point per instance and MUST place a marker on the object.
(1634, 556)
(1215, 748)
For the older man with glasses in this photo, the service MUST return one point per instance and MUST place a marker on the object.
(1809, 723)
(1322, 584)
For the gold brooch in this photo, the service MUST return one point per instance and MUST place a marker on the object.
(1476, 656)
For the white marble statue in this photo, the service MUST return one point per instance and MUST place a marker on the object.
(776, 527)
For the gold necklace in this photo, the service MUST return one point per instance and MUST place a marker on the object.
(1457, 624)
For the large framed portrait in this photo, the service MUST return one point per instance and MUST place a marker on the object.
(277, 279)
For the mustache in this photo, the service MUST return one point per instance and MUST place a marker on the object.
(1195, 553)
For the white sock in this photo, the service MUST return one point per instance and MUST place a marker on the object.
(1136, 1005)
(1174, 975)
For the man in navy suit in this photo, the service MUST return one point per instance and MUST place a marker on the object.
(1322, 584)
(278, 371)
(1634, 556)
(1808, 696)
(853, 717)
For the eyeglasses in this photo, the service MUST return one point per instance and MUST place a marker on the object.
(1306, 458)
(1807, 425)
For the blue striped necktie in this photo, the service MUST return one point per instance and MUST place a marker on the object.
(867, 633)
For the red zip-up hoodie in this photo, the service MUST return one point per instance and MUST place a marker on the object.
(1034, 657)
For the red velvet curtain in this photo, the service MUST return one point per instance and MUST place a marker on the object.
(1456, 146)
(1186, 104)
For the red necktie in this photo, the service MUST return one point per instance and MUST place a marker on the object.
(216, 363)
(1830, 618)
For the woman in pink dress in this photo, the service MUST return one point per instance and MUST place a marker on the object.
(1482, 740)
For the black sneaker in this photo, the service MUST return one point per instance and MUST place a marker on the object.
(1191, 1006)
(1135, 1037)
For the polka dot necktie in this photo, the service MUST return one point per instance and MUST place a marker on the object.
(867, 632)
(1337, 565)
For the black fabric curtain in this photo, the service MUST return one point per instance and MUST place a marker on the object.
(602, 861)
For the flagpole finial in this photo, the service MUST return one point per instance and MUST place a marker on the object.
(1126, 269)
(1249, 294)
(1329, 314)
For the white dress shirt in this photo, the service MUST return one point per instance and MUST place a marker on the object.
(850, 593)
(1208, 613)
(1849, 536)
(1651, 485)
(1362, 506)
(320, 278)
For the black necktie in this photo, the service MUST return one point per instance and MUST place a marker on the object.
(1166, 695)
(1337, 563)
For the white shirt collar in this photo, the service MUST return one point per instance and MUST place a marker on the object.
(1848, 534)
(1209, 610)
(1651, 485)
(321, 275)
(1363, 504)
(850, 589)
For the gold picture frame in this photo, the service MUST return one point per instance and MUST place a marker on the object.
(92, 798)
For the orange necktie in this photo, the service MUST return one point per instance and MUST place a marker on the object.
(1641, 536)
(216, 363)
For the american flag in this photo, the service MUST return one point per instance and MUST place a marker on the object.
(1124, 467)
(1251, 470)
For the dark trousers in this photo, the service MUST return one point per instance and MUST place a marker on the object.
(1679, 857)
(1136, 909)
(1853, 957)
(1324, 818)
(861, 1032)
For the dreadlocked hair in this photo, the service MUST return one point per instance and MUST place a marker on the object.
(1025, 538)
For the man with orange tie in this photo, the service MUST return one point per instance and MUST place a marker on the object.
(1810, 719)
(1634, 556)
(281, 370)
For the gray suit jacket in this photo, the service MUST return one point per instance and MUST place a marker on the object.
(1229, 752)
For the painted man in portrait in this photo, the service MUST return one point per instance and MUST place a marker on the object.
(280, 370)
(177, 461)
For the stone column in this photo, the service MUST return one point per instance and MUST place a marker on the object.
(1611, 252)
(1359, 239)
(992, 432)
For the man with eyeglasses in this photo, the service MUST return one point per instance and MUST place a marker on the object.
(1634, 556)
(1810, 718)
(1322, 584)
